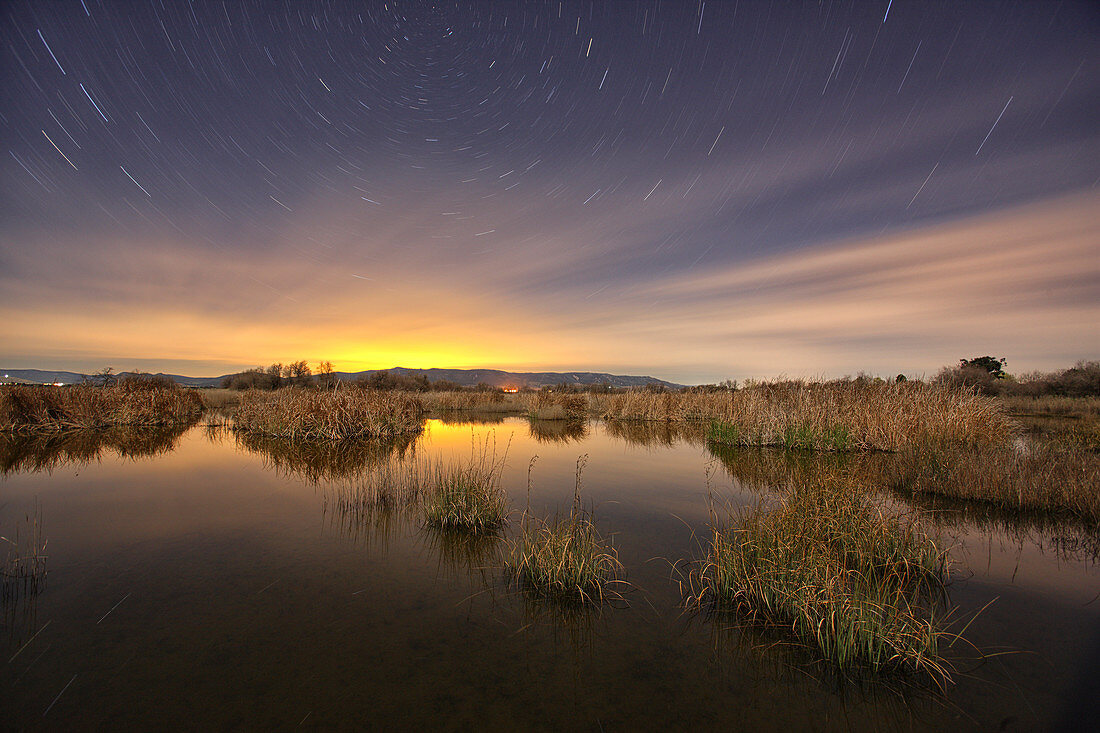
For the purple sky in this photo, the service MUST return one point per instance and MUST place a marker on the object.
(690, 190)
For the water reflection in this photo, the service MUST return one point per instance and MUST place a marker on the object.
(330, 460)
(44, 452)
(656, 433)
(772, 469)
(558, 431)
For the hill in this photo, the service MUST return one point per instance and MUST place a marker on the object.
(464, 377)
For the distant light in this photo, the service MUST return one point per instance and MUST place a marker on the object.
(59, 384)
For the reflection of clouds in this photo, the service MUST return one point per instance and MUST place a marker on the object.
(1024, 283)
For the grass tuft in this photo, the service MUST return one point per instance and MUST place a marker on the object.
(468, 497)
(565, 558)
(857, 585)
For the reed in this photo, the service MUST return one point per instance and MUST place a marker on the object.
(495, 402)
(565, 558)
(134, 403)
(337, 414)
(1055, 477)
(547, 405)
(468, 496)
(857, 585)
(857, 415)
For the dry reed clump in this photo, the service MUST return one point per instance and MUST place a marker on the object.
(555, 405)
(565, 558)
(310, 414)
(858, 415)
(1046, 477)
(34, 408)
(470, 401)
(838, 416)
(859, 586)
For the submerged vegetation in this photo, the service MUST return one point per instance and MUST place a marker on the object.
(23, 549)
(132, 401)
(858, 585)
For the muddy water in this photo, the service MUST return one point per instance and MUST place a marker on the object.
(208, 583)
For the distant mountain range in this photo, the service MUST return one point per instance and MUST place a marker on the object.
(464, 377)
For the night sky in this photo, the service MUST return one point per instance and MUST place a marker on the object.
(695, 191)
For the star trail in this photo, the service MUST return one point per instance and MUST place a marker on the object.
(632, 187)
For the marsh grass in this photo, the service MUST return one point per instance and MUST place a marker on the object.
(859, 586)
(546, 405)
(842, 415)
(486, 402)
(1042, 477)
(131, 403)
(331, 414)
(468, 496)
(565, 558)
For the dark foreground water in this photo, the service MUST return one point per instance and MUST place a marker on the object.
(195, 582)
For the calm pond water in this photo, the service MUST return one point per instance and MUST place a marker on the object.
(196, 581)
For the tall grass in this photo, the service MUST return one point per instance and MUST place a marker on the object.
(546, 405)
(338, 414)
(855, 415)
(471, 402)
(34, 408)
(565, 558)
(857, 585)
(468, 496)
(1044, 476)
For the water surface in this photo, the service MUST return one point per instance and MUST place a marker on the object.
(197, 580)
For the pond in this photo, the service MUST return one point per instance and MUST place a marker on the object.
(197, 580)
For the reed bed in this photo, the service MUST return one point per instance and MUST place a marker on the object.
(471, 402)
(1044, 476)
(337, 414)
(855, 415)
(857, 585)
(565, 558)
(133, 403)
(555, 405)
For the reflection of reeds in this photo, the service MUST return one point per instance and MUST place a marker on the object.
(378, 500)
(558, 431)
(565, 558)
(650, 433)
(769, 469)
(338, 414)
(463, 551)
(857, 585)
(132, 402)
(37, 452)
(328, 460)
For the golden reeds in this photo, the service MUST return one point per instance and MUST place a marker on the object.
(34, 408)
(311, 414)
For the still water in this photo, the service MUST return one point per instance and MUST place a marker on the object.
(201, 582)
